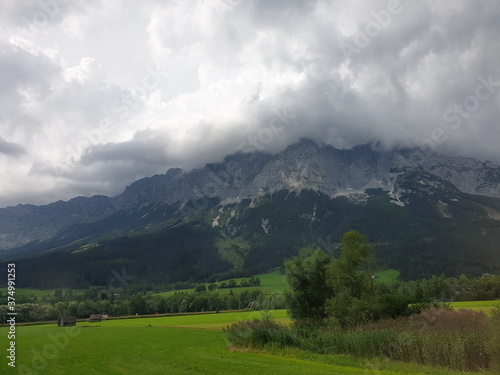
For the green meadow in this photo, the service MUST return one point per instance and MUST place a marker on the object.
(270, 283)
(179, 345)
(485, 306)
(387, 276)
(275, 283)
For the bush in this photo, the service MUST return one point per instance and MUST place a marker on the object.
(462, 340)
(454, 339)
(260, 333)
(201, 288)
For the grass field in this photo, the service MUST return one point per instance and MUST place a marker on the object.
(180, 345)
(275, 283)
(270, 283)
(387, 276)
(485, 306)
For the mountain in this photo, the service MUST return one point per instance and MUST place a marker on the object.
(425, 212)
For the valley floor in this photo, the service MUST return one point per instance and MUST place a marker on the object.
(181, 345)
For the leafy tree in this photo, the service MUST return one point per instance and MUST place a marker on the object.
(212, 287)
(255, 281)
(58, 295)
(341, 291)
(231, 283)
(183, 307)
(306, 276)
(352, 282)
(200, 288)
(358, 298)
(137, 305)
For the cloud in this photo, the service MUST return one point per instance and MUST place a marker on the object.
(11, 149)
(227, 75)
(30, 19)
(396, 86)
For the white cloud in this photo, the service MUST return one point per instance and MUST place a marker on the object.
(107, 92)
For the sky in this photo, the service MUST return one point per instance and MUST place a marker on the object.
(95, 94)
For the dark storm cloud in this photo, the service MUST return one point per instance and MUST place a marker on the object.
(145, 147)
(266, 74)
(395, 89)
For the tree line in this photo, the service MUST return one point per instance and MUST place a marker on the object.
(144, 303)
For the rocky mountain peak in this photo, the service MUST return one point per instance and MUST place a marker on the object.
(305, 165)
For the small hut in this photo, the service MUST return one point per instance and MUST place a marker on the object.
(66, 321)
(94, 318)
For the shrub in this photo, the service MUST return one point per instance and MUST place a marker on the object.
(201, 288)
(260, 333)
(460, 340)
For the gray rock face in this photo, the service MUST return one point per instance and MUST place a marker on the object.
(25, 223)
(330, 171)
(304, 165)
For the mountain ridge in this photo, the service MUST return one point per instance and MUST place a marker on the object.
(301, 166)
(421, 211)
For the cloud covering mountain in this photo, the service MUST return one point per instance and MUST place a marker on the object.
(96, 94)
